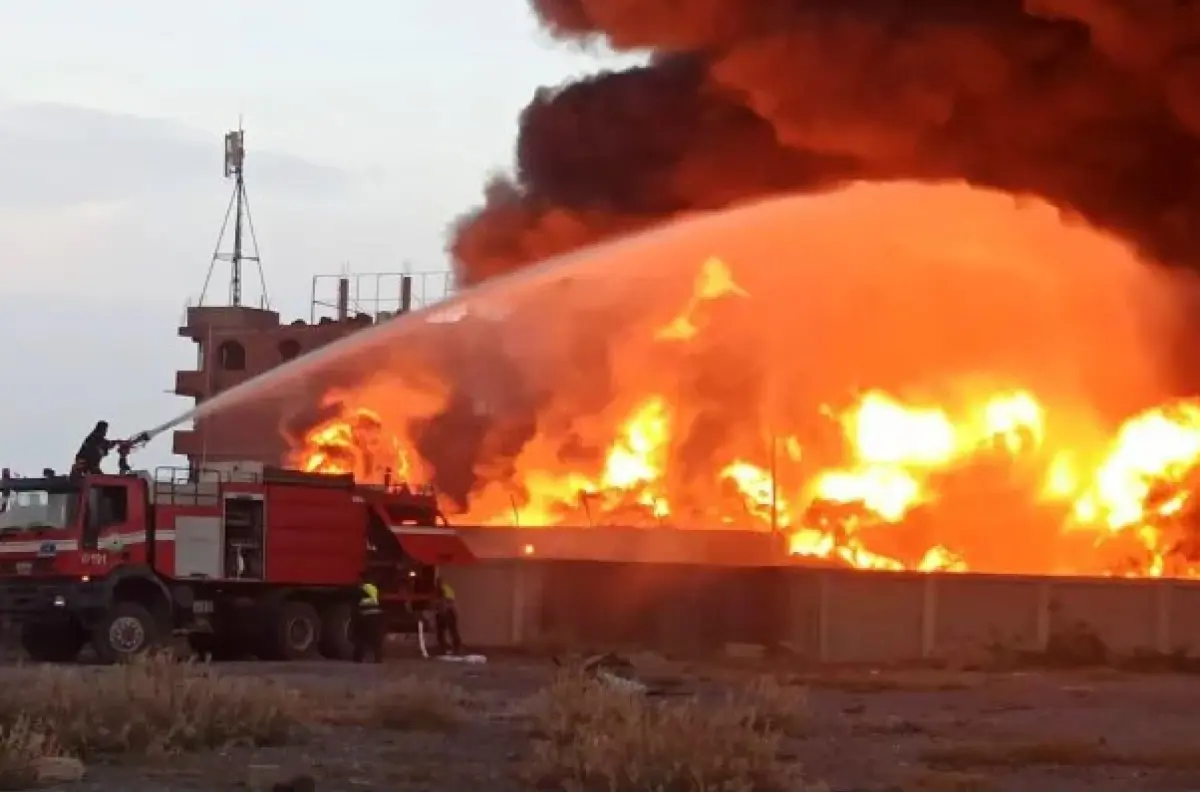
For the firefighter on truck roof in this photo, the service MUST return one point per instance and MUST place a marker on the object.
(93, 449)
(366, 627)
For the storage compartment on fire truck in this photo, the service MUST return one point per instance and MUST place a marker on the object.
(243, 518)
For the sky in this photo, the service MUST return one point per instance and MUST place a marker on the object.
(370, 125)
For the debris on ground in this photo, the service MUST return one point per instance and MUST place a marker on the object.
(615, 671)
(469, 658)
(473, 658)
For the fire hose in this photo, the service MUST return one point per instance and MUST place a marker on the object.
(126, 446)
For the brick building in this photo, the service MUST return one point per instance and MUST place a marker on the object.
(237, 343)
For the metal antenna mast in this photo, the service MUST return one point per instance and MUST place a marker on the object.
(243, 223)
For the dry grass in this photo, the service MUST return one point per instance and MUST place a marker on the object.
(778, 706)
(590, 736)
(24, 747)
(412, 703)
(1078, 754)
(151, 705)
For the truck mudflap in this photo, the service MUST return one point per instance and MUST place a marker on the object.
(433, 545)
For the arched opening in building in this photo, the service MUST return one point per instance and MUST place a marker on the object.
(231, 355)
(289, 349)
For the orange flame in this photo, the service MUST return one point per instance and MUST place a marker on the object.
(900, 460)
(353, 444)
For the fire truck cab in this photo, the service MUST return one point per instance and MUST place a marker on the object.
(239, 558)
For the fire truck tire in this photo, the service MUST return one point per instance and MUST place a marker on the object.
(336, 642)
(127, 630)
(297, 634)
(52, 644)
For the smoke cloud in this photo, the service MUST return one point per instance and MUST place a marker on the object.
(1093, 105)
(520, 409)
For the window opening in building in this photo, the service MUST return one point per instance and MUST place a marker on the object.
(232, 356)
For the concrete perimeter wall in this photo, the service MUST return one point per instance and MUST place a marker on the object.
(822, 615)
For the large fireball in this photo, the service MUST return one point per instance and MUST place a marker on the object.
(896, 376)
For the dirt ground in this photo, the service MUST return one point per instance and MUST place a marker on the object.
(862, 730)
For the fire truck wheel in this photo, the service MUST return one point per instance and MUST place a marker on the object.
(336, 642)
(52, 644)
(297, 631)
(128, 629)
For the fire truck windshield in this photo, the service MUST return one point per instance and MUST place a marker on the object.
(38, 509)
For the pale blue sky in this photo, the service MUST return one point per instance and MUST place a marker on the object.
(371, 124)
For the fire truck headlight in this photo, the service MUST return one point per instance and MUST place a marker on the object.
(59, 601)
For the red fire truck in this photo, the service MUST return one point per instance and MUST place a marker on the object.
(240, 558)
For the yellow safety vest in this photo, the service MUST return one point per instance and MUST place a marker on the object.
(447, 592)
(369, 602)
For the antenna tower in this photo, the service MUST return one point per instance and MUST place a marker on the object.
(243, 224)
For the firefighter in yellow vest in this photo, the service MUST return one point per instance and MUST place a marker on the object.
(445, 617)
(367, 629)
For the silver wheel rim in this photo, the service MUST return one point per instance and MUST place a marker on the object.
(126, 634)
(300, 633)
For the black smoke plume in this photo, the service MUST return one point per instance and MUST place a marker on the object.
(1093, 105)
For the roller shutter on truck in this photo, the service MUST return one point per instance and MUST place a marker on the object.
(432, 545)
